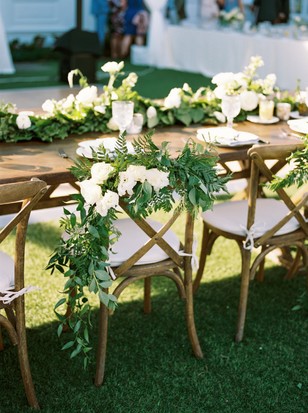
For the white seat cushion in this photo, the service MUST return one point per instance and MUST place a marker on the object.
(6, 272)
(231, 217)
(133, 238)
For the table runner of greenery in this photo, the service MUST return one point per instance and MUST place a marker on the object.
(90, 111)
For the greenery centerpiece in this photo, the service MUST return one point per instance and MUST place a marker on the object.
(146, 180)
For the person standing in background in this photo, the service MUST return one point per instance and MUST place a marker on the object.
(274, 11)
(249, 11)
(100, 9)
(116, 25)
(228, 5)
(136, 20)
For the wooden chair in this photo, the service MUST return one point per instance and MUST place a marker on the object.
(149, 249)
(257, 222)
(12, 286)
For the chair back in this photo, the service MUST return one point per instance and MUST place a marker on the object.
(261, 174)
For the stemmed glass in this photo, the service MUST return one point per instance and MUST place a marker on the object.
(122, 113)
(231, 107)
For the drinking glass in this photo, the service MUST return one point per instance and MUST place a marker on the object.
(122, 113)
(231, 107)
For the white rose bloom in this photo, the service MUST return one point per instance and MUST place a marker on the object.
(222, 78)
(137, 172)
(186, 87)
(100, 109)
(109, 200)
(219, 116)
(151, 112)
(112, 125)
(158, 179)
(100, 172)
(90, 191)
(126, 184)
(112, 67)
(23, 121)
(249, 100)
(68, 102)
(48, 106)
(131, 80)
(198, 93)
(87, 95)
(173, 100)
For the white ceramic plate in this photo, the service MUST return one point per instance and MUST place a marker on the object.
(295, 115)
(256, 119)
(86, 148)
(299, 125)
(226, 137)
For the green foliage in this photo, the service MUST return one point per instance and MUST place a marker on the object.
(82, 255)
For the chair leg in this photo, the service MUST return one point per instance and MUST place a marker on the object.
(102, 345)
(260, 273)
(1, 340)
(243, 295)
(190, 319)
(294, 266)
(23, 354)
(147, 305)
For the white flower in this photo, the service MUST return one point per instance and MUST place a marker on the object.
(187, 88)
(100, 109)
(151, 112)
(131, 80)
(23, 121)
(152, 118)
(48, 106)
(219, 116)
(126, 183)
(112, 125)
(222, 78)
(114, 95)
(173, 100)
(68, 102)
(87, 95)
(249, 100)
(137, 172)
(90, 191)
(100, 172)
(112, 67)
(158, 179)
(109, 200)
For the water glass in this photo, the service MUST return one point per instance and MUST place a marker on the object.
(231, 107)
(122, 113)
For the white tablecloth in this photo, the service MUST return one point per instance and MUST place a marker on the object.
(6, 63)
(212, 51)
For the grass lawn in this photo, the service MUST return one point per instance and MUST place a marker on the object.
(150, 367)
(152, 82)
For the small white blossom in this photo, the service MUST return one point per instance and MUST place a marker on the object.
(173, 100)
(23, 121)
(87, 95)
(69, 101)
(152, 118)
(109, 200)
(219, 116)
(131, 80)
(48, 106)
(158, 179)
(112, 67)
(114, 95)
(100, 172)
(137, 172)
(90, 191)
(100, 109)
(126, 183)
(249, 100)
(151, 112)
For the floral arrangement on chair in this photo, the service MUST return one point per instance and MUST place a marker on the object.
(145, 181)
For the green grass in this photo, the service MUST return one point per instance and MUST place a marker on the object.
(150, 367)
(152, 82)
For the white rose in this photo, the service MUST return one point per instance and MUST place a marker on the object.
(112, 67)
(173, 100)
(100, 172)
(126, 183)
(48, 106)
(23, 121)
(158, 179)
(112, 125)
(137, 172)
(87, 95)
(222, 78)
(68, 102)
(100, 109)
(249, 100)
(90, 191)
(219, 116)
(109, 200)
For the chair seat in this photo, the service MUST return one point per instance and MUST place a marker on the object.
(133, 238)
(6, 272)
(231, 217)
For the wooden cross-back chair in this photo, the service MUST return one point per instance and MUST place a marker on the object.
(12, 286)
(148, 249)
(257, 222)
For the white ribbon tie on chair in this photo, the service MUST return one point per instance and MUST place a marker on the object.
(193, 255)
(9, 296)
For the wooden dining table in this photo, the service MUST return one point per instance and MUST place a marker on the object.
(23, 160)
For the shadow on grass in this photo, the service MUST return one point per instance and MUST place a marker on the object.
(150, 367)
